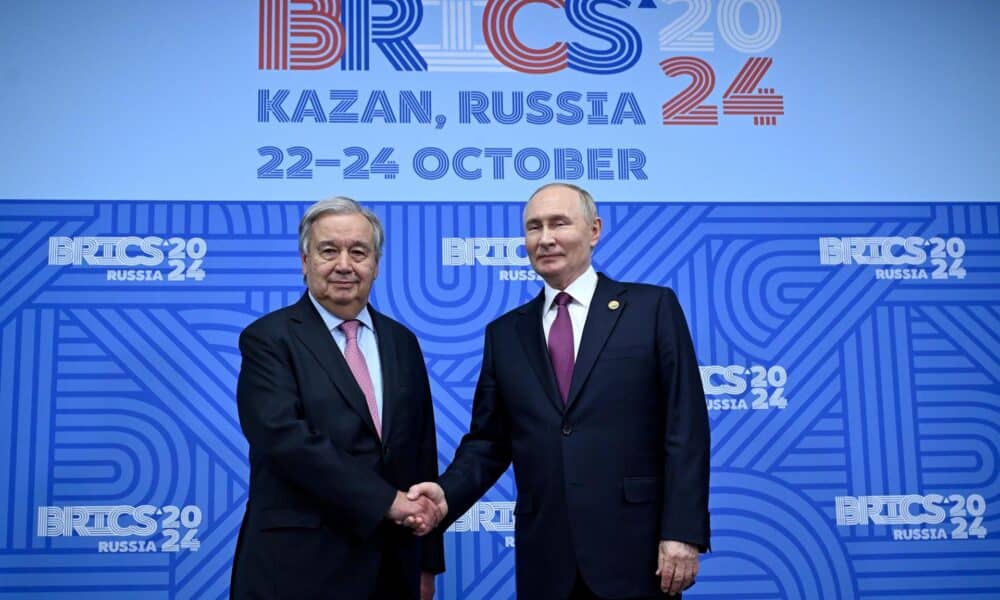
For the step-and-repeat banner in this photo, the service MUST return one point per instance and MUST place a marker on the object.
(816, 180)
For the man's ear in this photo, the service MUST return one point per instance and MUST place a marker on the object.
(595, 232)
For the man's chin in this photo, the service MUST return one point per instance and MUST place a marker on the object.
(553, 269)
(345, 306)
(342, 290)
(548, 267)
(340, 297)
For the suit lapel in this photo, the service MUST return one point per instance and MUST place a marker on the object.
(389, 360)
(309, 327)
(532, 336)
(601, 320)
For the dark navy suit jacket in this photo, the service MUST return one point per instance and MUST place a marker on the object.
(321, 481)
(622, 466)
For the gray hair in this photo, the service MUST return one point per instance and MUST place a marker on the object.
(340, 205)
(587, 205)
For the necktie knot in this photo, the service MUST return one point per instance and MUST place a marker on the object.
(562, 299)
(350, 328)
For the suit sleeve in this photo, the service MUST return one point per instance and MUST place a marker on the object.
(687, 446)
(432, 552)
(485, 452)
(267, 396)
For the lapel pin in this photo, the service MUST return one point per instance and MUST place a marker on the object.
(614, 304)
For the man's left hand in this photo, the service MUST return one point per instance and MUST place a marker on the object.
(426, 585)
(421, 515)
(678, 566)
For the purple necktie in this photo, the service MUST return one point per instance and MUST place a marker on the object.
(561, 345)
(356, 361)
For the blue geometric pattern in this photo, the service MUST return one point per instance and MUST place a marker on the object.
(841, 385)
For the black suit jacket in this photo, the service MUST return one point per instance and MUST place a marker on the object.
(321, 481)
(622, 466)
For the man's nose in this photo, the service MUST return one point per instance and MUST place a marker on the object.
(342, 263)
(546, 239)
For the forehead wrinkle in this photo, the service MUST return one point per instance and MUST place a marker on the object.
(552, 214)
(344, 241)
(341, 241)
(326, 229)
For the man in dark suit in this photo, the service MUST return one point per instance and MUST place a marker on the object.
(335, 403)
(592, 389)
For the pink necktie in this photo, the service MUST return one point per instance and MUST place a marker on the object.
(561, 345)
(356, 361)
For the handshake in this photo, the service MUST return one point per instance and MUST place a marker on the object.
(421, 509)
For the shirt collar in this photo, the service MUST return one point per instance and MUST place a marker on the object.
(332, 321)
(581, 290)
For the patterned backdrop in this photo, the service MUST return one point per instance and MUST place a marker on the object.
(831, 390)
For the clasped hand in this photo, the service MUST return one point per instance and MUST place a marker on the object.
(421, 509)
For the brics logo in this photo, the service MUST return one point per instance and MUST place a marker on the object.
(318, 34)
(132, 258)
(489, 252)
(495, 517)
(916, 517)
(165, 529)
(725, 386)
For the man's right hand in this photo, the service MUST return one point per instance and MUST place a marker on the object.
(420, 514)
(432, 492)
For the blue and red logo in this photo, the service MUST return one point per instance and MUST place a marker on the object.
(318, 34)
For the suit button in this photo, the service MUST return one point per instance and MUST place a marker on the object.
(385, 454)
(566, 430)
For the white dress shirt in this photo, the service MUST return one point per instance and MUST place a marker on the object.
(367, 343)
(582, 292)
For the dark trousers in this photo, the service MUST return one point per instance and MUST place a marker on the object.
(392, 584)
(582, 592)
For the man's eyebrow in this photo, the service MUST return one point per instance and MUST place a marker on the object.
(547, 217)
(347, 243)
